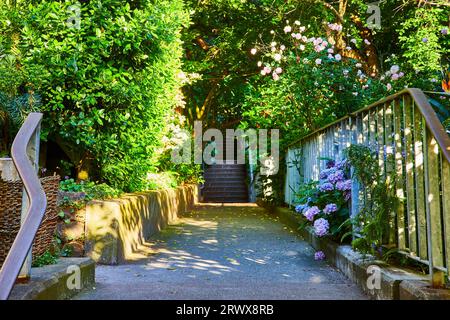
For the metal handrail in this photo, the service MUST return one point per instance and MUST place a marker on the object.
(36, 209)
(421, 101)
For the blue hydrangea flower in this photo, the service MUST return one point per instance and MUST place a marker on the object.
(324, 187)
(321, 227)
(311, 212)
(344, 185)
(326, 172)
(329, 208)
(342, 164)
(299, 208)
(319, 255)
(336, 176)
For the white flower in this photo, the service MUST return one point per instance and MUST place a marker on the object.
(273, 49)
(366, 41)
(338, 57)
(389, 87)
(358, 65)
(253, 51)
(330, 50)
(282, 47)
(263, 72)
(355, 93)
(259, 63)
(433, 80)
(275, 76)
(330, 56)
(277, 57)
(302, 29)
(348, 48)
(287, 29)
(273, 44)
(345, 72)
(272, 32)
(318, 61)
(278, 70)
(353, 41)
(302, 47)
(296, 22)
(394, 69)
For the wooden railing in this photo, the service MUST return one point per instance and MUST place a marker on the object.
(25, 146)
(405, 126)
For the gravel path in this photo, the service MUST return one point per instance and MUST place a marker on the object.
(224, 252)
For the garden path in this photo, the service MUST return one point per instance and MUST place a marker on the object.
(225, 252)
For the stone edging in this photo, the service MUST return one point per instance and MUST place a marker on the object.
(395, 283)
(50, 282)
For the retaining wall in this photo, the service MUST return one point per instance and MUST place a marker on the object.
(116, 230)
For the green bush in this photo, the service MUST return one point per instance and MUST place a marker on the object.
(108, 86)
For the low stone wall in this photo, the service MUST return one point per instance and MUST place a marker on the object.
(395, 283)
(116, 230)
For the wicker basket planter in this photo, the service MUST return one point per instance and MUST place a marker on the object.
(10, 210)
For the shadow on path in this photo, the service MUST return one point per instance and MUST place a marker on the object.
(225, 252)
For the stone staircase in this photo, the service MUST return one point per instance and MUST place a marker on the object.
(225, 183)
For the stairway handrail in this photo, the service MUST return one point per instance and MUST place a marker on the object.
(36, 209)
(421, 101)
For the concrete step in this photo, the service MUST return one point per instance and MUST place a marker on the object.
(227, 170)
(225, 183)
(223, 174)
(225, 199)
(226, 193)
(225, 187)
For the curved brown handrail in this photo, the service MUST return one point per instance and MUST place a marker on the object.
(421, 101)
(36, 210)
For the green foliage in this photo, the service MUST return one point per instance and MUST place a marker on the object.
(421, 39)
(374, 221)
(91, 189)
(107, 87)
(45, 259)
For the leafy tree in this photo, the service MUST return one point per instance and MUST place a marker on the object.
(108, 81)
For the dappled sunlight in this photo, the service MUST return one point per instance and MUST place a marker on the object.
(317, 279)
(175, 259)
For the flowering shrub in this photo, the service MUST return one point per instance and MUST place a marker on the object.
(319, 255)
(324, 203)
(305, 80)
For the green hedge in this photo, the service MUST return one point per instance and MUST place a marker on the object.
(107, 86)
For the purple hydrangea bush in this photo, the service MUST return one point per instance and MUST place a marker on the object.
(325, 203)
(319, 255)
